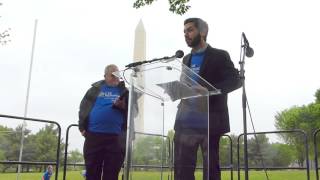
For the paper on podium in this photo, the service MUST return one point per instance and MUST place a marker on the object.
(179, 90)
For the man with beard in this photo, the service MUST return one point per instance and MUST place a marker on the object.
(192, 129)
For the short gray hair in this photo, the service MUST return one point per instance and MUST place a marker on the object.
(109, 67)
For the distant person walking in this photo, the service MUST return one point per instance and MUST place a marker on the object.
(47, 175)
(83, 173)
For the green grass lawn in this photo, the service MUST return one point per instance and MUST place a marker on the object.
(253, 175)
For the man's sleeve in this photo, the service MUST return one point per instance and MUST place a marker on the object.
(83, 111)
(230, 75)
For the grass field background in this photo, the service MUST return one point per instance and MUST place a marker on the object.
(253, 175)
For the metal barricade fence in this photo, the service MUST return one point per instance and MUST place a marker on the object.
(315, 133)
(230, 167)
(170, 154)
(65, 164)
(170, 149)
(56, 163)
(305, 139)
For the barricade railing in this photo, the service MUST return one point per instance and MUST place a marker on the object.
(56, 163)
(305, 139)
(169, 166)
(230, 167)
(66, 150)
(65, 164)
(315, 144)
(170, 149)
(230, 156)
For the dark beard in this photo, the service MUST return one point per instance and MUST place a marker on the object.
(196, 41)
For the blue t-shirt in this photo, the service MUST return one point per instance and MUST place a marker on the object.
(196, 62)
(46, 176)
(103, 117)
(192, 117)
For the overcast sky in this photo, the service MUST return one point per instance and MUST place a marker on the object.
(76, 39)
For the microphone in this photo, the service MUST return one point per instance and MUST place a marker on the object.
(134, 64)
(178, 54)
(249, 50)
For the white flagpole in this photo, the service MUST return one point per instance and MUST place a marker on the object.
(24, 124)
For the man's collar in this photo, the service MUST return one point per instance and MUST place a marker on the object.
(201, 50)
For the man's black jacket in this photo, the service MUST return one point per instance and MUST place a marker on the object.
(217, 69)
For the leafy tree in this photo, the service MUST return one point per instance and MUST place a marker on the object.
(10, 143)
(262, 153)
(29, 150)
(176, 6)
(234, 139)
(46, 140)
(14, 140)
(150, 150)
(62, 147)
(75, 157)
(45, 146)
(169, 143)
(224, 151)
(40, 147)
(258, 150)
(306, 118)
(282, 155)
(1, 157)
(317, 95)
(171, 135)
(4, 133)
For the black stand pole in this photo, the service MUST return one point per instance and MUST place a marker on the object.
(130, 129)
(244, 110)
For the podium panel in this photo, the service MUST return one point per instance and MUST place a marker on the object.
(167, 130)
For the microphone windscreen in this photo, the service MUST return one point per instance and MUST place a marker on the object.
(249, 52)
(179, 54)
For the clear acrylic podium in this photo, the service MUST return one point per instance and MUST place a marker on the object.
(156, 92)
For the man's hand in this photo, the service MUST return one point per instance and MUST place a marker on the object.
(120, 104)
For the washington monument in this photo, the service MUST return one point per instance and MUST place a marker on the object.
(139, 54)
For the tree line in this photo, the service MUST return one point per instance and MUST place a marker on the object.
(306, 118)
(38, 147)
(151, 150)
(156, 151)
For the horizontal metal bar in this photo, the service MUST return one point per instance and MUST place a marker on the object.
(28, 162)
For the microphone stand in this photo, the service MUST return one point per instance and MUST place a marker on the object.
(178, 54)
(130, 131)
(149, 61)
(244, 109)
